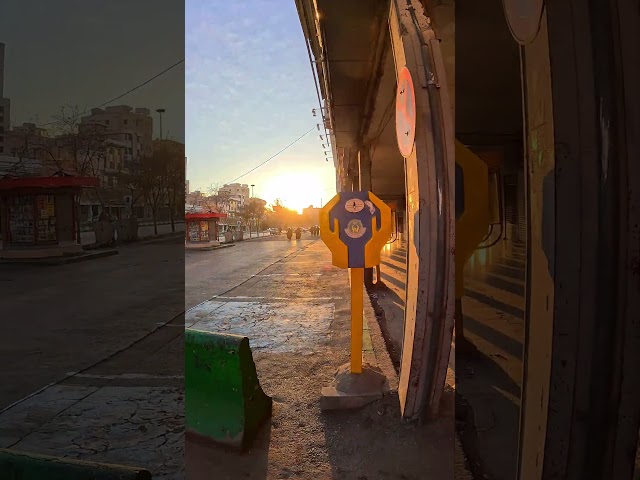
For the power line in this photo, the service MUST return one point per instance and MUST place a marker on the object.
(128, 91)
(274, 156)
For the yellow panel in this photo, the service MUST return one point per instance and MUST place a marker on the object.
(473, 224)
(379, 237)
(339, 252)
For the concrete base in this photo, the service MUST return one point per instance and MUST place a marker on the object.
(354, 390)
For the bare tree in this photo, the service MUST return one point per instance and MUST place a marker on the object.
(252, 211)
(151, 180)
(219, 196)
(169, 155)
(78, 148)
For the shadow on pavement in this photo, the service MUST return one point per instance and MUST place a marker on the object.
(492, 427)
(374, 443)
(206, 460)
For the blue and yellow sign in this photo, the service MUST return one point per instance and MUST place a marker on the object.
(355, 226)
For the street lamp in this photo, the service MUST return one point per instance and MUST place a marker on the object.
(161, 111)
(252, 191)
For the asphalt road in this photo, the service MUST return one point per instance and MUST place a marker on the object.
(211, 273)
(61, 319)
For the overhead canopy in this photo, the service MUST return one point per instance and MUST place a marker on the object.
(22, 183)
(204, 216)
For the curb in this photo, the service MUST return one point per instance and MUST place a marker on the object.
(49, 262)
(157, 238)
(379, 313)
(378, 343)
(253, 238)
(209, 249)
(28, 466)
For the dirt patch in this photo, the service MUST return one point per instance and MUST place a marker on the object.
(300, 441)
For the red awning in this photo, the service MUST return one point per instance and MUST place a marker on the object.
(204, 216)
(47, 182)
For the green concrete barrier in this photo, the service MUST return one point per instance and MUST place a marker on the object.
(16, 465)
(223, 398)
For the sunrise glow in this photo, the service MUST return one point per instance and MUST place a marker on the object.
(296, 190)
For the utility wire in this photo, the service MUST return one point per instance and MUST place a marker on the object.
(127, 92)
(273, 156)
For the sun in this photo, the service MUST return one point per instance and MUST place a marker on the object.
(297, 191)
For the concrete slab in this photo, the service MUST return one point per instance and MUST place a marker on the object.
(275, 327)
(333, 399)
(115, 425)
(354, 390)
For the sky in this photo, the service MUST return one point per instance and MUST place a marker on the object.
(249, 93)
(85, 53)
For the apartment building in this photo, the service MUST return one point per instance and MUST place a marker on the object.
(5, 106)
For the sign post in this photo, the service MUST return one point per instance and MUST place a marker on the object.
(355, 226)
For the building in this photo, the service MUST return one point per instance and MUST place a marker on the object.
(186, 182)
(38, 210)
(126, 124)
(515, 182)
(29, 141)
(5, 106)
(238, 191)
(311, 215)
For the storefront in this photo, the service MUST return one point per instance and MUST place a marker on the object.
(38, 216)
(202, 228)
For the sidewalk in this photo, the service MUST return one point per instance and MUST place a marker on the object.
(144, 231)
(126, 410)
(388, 302)
(254, 236)
(296, 314)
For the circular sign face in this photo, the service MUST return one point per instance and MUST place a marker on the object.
(354, 205)
(355, 229)
(523, 17)
(405, 113)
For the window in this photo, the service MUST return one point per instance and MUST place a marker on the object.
(107, 122)
(126, 122)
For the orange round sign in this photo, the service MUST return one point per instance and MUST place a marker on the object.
(405, 113)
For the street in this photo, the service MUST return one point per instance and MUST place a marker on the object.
(92, 357)
(208, 274)
(295, 308)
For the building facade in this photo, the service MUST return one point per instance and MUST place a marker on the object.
(5, 106)
(239, 191)
(132, 126)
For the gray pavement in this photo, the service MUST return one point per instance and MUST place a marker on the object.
(90, 372)
(294, 307)
(208, 274)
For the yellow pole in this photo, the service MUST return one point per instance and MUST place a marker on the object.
(357, 282)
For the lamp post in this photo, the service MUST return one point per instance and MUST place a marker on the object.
(161, 111)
